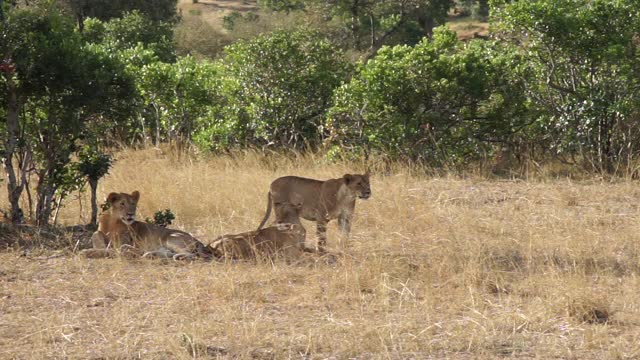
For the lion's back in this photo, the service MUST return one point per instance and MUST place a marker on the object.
(295, 189)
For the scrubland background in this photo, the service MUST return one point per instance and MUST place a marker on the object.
(436, 267)
(445, 263)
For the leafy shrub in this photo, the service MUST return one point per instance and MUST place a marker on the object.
(229, 21)
(129, 31)
(276, 88)
(439, 102)
(162, 218)
(584, 54)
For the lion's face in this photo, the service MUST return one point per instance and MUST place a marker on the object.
(287, 213)
(123, 206)
(358, 184)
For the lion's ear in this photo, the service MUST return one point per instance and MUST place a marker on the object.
(113, 197)
(347, 178)
(135, 195)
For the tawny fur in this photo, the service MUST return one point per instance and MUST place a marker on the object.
(118, 230)
(286, 238)
(322, 201)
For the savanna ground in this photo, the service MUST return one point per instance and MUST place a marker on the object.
(213, 12)
(437, 267)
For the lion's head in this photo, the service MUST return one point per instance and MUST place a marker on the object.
(123, 206)
(358, 184)
(288, 213)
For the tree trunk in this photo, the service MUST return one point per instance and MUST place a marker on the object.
(379, 42)
(93, 183)
(44, 199)
(355, 23)
(25, 166)
(11, 141)
(483, 8)
(144, 132)
(157, 113)
(58, 205)
(80, 19)
(606, 155)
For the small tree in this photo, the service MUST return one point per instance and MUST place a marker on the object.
(16, 28)
(59, 88)
(92, 166)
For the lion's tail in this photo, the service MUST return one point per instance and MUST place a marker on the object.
(266, 216)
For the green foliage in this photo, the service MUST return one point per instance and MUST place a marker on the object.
(66, 88)
(130, 30)
(105, 10)
(478, 9)
(367, 25)
(171, 96)
(92, 163)
(439, 102)
(229, 21)
(276, 88)
(162, 218)
(178, 96)
(587, 70)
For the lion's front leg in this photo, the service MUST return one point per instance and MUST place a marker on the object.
(99, 240)
(344, 224)
(321, 232)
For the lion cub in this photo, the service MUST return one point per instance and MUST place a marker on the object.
(322, 201)
(118, 229)
(286, 238)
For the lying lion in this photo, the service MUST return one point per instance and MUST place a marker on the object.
(119, 231)
(286, 238)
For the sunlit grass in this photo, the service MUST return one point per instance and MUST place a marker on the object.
(443, 267)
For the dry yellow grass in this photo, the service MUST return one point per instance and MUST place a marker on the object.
(436, 268)
(213, 11)
(468, 28)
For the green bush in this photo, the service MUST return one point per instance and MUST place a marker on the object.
(129, 31)
(162, 218)
(276, 89)
(439, 102)
(584, 54)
